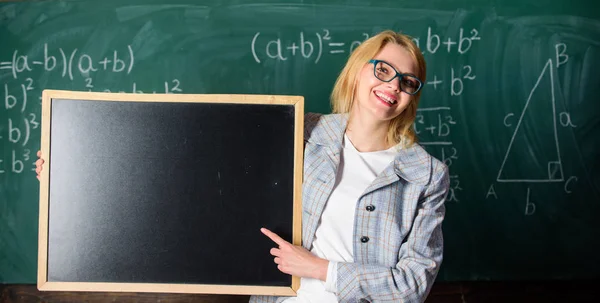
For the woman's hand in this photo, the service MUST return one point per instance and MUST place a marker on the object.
(296, 260)
(38, 164)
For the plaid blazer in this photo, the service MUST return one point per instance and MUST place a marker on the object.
(403, 252)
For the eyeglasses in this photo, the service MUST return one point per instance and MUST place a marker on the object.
(386, 73)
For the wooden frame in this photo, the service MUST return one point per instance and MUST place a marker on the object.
(42, 279)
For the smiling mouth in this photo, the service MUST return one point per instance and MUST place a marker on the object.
(386, 98)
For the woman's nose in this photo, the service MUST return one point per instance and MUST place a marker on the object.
(394, 84)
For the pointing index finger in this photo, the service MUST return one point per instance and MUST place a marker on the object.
(273, 236)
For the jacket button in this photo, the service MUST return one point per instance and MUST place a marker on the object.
(364, 239)
(370, 207)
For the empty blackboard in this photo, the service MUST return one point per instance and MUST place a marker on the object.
(167, 193)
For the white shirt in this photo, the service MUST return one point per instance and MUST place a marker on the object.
(333, 238)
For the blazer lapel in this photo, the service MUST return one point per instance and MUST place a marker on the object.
(411, 164)
(328, 133)
(325, 133)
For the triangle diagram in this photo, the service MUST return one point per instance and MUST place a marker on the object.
(533, 154)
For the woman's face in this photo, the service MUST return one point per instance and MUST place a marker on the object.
(379, 100)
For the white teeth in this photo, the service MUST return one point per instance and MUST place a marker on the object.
(386, 98)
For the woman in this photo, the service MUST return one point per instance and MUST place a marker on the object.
(373, 201)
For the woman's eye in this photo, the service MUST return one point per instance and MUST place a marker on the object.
(410, 83)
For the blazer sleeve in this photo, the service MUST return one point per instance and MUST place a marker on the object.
(266, 299)
(419, 257)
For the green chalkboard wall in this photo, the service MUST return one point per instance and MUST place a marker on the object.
(511, 103)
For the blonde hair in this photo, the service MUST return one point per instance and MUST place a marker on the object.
(343, 95)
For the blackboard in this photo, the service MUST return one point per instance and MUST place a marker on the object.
(508, 218)
(167, 193)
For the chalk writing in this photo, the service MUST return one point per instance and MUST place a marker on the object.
(70, 61)
(23, 120)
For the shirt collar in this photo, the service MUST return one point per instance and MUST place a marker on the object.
(412, 164)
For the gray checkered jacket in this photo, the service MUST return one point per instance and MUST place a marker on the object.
(403, 252)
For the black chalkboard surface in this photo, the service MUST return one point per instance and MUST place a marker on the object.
(168, 192)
